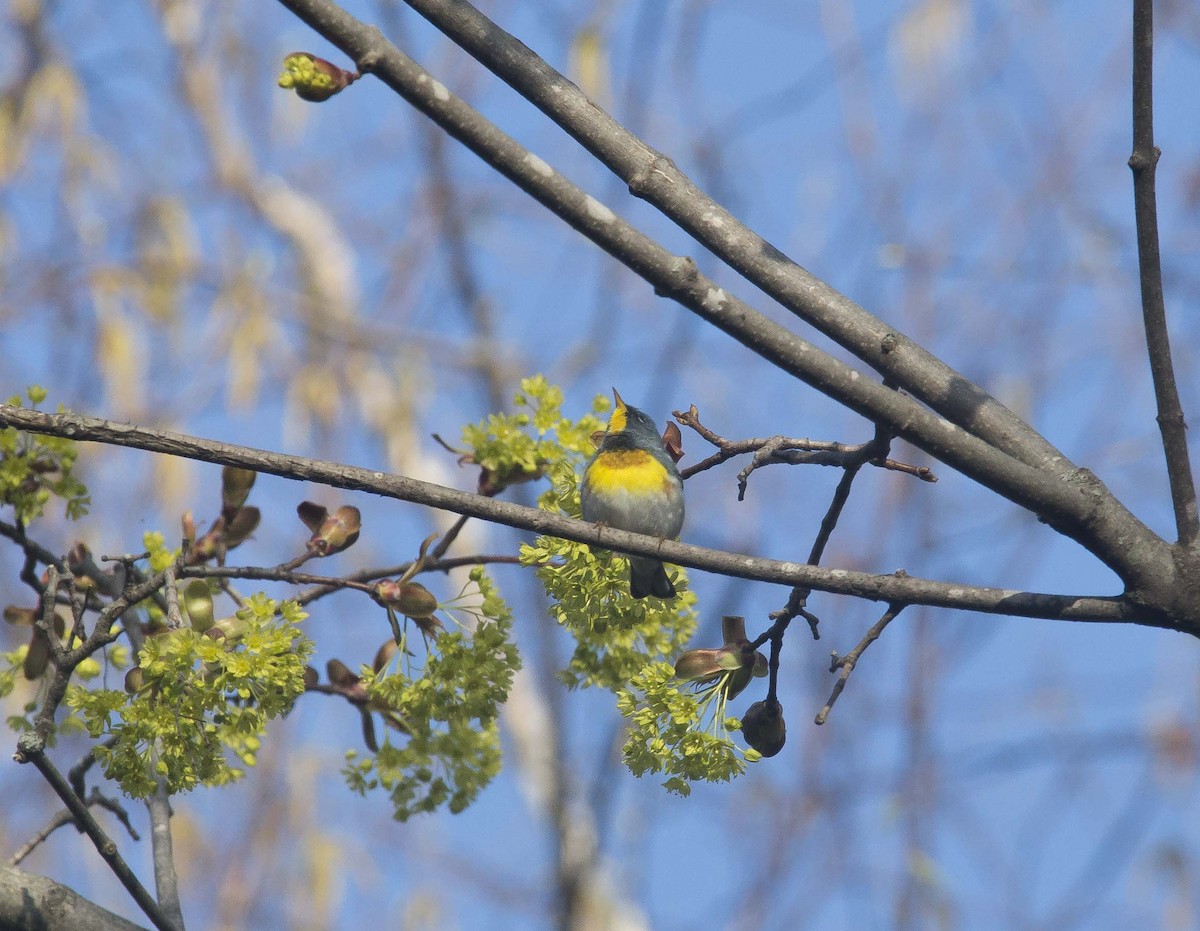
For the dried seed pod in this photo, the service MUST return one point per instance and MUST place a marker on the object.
(412, 599)
(764, 728)
(240, 526)
(235, 487)
(38, 656)
(384, 655)
(340, 674)
(198, 603)
(134, 680)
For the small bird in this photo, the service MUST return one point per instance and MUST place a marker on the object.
(632, 484)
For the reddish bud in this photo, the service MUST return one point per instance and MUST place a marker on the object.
(492, 481)
(89, 575)
(733, 628)
(38, 656)
(332, 533)
(314, 79)
(704, 665)
(311, 514)
(368, 730)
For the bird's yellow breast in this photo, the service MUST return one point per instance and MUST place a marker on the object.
(632, 471)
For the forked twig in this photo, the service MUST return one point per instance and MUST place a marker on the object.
(844, 665)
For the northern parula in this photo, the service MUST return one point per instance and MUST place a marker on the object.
(632, 484)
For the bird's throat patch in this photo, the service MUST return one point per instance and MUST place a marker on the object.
(618, 420)
(632, 471)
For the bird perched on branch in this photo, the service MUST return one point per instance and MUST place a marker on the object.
(632, 484)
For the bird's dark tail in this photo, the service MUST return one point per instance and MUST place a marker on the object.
(649, 577)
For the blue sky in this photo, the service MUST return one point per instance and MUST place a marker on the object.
(957, 168)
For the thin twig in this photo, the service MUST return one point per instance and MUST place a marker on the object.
(448, 538)
(323, 585)
(844, 665)
(875, 450)
(174, 617)
(295, 562)
(833, 513)
(786, 450)
(158, 806)
(272, 574)
(76, 774)
(61, 818)
(797, 605)
(16, 533)
(1143, 163)
(64, 817)
(32, 745)
(115, 808)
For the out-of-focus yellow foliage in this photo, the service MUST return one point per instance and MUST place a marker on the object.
(927, 41)
(249, 332)
(589, 64)
(54, 98)
(120, 352)
(10, 139)
(313, 394)
(167, 256)
(174, 481)
(325, 878)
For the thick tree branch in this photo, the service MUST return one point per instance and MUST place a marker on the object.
(29, 902)
(1143, 162)
(890, 588)
(1073, 501)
